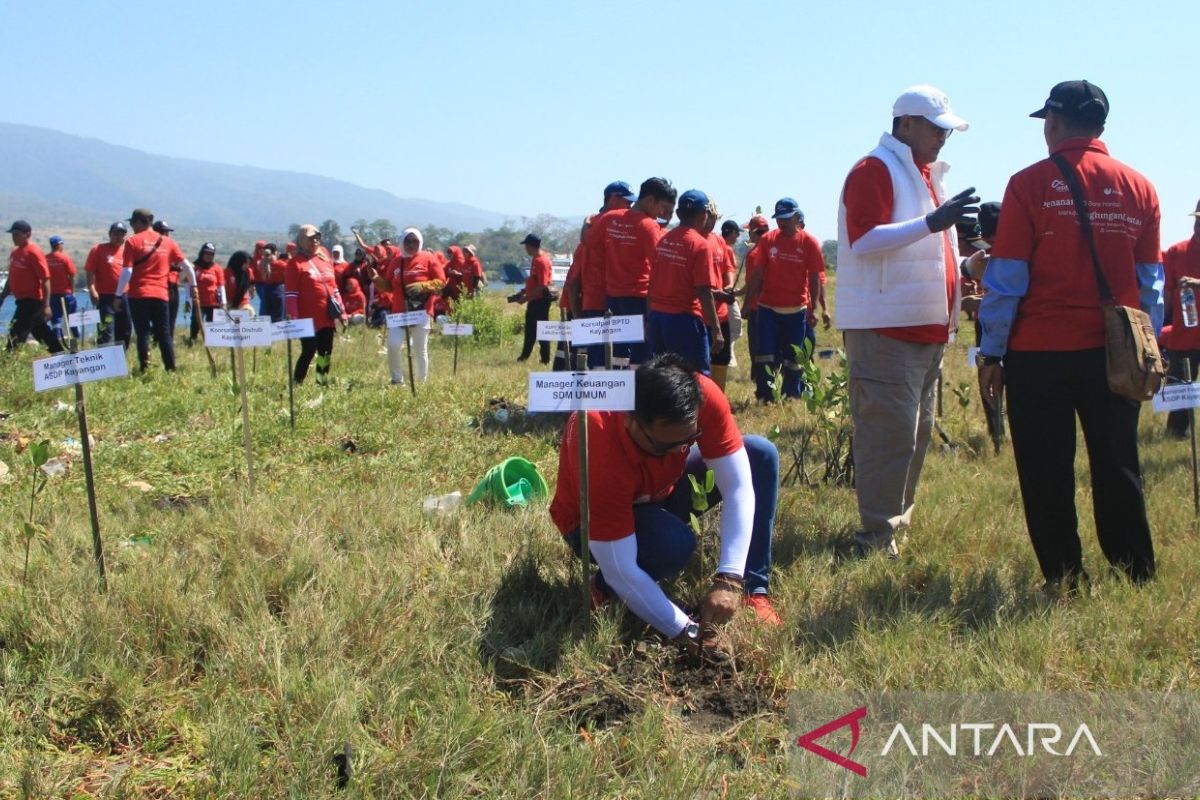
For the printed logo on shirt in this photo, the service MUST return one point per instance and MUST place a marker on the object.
(1059, 185)
(1111, 192)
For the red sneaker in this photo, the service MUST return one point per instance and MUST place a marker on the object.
(762, 608)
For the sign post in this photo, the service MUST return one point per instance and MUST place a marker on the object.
(291, 329)
(237, 332)
(75, 369)
(81, 319)
(457, 329)
(405, 320)
(1183, 396)
(608, 330)
(582, 391)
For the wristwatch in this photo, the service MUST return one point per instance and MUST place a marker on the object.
(986, 361)
(690, 633)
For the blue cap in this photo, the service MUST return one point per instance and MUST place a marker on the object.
(55, 241)
(787, 208)
(692, 200)
(621, 188)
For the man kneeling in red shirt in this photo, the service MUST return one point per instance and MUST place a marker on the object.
(641, 498)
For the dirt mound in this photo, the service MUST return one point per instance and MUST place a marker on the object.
(707, 695)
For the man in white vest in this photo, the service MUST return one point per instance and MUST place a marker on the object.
(897, 302)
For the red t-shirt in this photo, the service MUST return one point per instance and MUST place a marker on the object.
(1181, 261)
(1061, 309)
(402, 270)
(473, 273)
(149, 279)
(208, 280)
(312, 280)
(540, 273)
(869, 203)
(104, 262)
(352, 293)
(754, 259)
(595, 292)
(622, 474)
(682, 264)
(231, 292)
(27, 269)
(788, 264)
(629, 246)
(724, 265)
(62, 273)
(572, 275)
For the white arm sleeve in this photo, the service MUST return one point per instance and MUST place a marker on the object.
(891, 236)
(187, 272)
(732, 474)
(643, 595)
(123, 281)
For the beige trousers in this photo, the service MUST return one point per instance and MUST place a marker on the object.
(893, 387)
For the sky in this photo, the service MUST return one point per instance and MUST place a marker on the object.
(532, 107)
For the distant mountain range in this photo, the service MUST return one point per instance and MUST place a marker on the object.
(57, 178)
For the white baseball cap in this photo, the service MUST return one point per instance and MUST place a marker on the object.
(931, 103)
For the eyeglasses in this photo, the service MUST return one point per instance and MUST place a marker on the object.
(662, 448)
(313, 236)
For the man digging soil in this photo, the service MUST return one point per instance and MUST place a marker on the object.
(641, 499)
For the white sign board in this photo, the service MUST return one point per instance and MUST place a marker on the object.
(457, 329)
(68, 369)
(600, 330)
(80, 319)
(291, 329)
(410, 319)
(1177, 397)
(553, 331)
(244, 333)
(572, 391)
(971, 353)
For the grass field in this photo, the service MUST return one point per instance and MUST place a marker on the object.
(247, 640)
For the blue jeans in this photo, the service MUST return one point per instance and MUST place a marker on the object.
(270, 300)
(665, 542)
(56, 310)
(633, 353)
(684, 334)
(114, 325)
(776, 335)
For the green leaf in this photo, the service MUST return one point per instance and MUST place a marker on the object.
(39, 453)
(773, 434)
(695, 523)
(710, 481)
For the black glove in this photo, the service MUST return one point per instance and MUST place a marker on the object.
(957, 209)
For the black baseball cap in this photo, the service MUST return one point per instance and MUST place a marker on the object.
(162, 227)
(533, 240)
(118, 227)
(1078, 100)
(20, 226)
(730, 226)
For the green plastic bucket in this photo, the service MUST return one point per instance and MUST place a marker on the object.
(511, 483)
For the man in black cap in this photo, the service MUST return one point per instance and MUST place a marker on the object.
(163, 229)
(536, 296)
(1043, 334)
(29, 284)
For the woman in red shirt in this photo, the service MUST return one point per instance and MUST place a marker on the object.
(210, 289)
(237, 282)
(415, 278)
(311, 292)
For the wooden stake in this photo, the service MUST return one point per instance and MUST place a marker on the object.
(1187, 377)
(241, 378)
(585, 556)
(608, 356)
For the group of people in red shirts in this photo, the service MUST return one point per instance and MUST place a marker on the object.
(684, 283)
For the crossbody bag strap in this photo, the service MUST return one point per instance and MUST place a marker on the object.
(146, 257)
(1085, 223)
